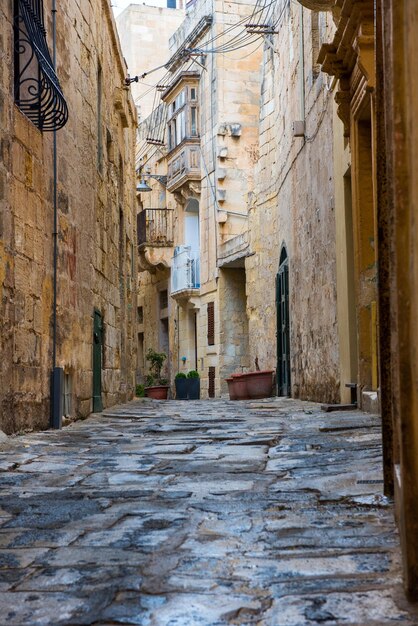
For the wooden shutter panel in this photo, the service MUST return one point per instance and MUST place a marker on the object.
(211, 323)
(211, 376)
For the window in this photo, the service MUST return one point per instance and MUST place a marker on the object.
(193, 121)
(183, 117)
(140, 311)
(211, 323)
(171, 4)
(211, 377)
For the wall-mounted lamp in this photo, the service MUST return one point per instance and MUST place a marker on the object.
(142, 185)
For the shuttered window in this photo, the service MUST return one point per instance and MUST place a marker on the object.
(211, 376)
(211, 323)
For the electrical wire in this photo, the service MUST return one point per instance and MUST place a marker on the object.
(155, 123)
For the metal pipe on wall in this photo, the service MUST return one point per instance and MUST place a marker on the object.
(57, 375)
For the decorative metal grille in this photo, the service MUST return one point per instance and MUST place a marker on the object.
(37, 90)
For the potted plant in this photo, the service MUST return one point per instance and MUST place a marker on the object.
(193, 380)
(260, 384)
(181, 384)
(231, 388)
(155, 386)
(239, 385)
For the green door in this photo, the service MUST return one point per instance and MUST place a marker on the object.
(97, 361)
(283, 326)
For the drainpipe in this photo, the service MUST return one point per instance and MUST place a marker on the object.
(57, 376)
(302, 67)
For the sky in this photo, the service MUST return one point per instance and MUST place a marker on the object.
(119, 5)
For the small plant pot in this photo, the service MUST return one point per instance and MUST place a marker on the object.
(259, 384)
(157, 392)
(181, 388)
(231, 388)
(193, 388)
(240, 386)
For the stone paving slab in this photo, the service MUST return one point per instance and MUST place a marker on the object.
(208, 513)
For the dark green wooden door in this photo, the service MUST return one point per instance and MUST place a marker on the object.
(97, 361)
(283, 326)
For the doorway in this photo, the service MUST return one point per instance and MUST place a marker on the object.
(283, 326)
(97, 361)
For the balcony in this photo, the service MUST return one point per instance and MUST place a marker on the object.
(155, 227)
(185, 273)
(183, 165)
(155, 238)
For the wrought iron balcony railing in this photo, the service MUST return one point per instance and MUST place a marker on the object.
(155, 227)
(185, 270)
(37, 90)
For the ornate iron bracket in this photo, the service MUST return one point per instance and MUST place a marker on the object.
(37, 90)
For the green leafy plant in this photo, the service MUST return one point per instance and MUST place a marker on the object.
(149, 380)
(193, 374)
(180, 375)
(156, 360)
(140, 391)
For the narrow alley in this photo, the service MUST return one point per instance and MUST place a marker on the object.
(200, 514)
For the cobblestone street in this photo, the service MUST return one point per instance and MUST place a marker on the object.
(200, 513)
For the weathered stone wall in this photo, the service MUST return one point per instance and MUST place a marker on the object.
(293, 206)
(96, 224)
(234, 349)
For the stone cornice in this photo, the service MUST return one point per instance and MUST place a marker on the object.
(323, 5)
(350, 56)
(317, 5)
(357, 18)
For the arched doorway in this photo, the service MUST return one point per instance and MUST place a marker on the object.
(283, 326)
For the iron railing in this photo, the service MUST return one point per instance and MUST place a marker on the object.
(37, 90)
(185, 271)
(155, 227)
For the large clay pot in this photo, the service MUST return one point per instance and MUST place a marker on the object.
(157, 392)
(240, 386)
(259, 384)
(193, 387)
(181, 388)
(231, 388)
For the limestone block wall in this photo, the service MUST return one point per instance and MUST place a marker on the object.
(138, 26)
(234, 341)
(96, 219)
(293, 205)
(149, 287)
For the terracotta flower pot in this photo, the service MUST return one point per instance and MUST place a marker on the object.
(240, 386)
(231, 388)
(259, 384)
(157, 392)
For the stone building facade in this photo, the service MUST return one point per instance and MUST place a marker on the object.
(96, 228)
(194, 263)
(292, 273)
(376, 98)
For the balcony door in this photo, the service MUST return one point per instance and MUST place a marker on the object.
(192, 237)
(191, 225)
